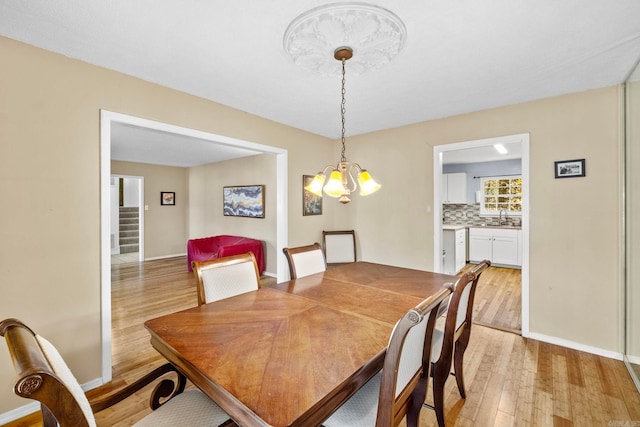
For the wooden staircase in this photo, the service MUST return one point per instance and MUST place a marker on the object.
(129, 230)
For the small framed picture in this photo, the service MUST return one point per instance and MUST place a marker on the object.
(311, 204)
(569, 168)
(167, 198)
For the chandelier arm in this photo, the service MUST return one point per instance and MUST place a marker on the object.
(357, 166)
(324, 169)
(354, 181)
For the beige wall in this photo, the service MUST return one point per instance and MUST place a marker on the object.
(574, 235)
(633, 221)
(198, 209)
(165, 227)
(206, 217)
(50, 176)
(49, 163)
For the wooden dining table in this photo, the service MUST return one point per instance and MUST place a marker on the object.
(290, 354)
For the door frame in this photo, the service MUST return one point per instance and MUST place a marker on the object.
(109, 117)
(438, 152)
(140, 196)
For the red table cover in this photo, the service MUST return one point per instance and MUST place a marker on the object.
(207, 248)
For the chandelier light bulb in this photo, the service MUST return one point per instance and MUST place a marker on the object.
(315, 186)
(334, 187)
(367, 184)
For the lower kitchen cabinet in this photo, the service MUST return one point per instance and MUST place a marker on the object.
(498, 245)
(454, 250)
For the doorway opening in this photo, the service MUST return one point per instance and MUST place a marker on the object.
(107, 119)
(475, 150)
(127, 219)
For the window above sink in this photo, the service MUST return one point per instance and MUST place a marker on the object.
(501, 193)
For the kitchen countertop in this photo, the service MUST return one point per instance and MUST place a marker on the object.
(455, 227)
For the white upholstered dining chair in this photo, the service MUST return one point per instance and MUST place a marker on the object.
(305, 260)
(451, 341)
(339, 246)
(400, 388)
(226, 277)
(44, 376)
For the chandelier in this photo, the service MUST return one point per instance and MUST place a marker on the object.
(341, 180)
(377, 35)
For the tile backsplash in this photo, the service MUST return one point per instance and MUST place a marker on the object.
(469, 214)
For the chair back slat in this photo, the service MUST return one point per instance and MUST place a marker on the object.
(463, 303)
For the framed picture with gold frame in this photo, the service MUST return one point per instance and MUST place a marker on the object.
(311, 203)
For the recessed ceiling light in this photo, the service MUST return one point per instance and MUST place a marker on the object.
(500, 148)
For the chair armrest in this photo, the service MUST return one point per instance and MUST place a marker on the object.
(165, 389)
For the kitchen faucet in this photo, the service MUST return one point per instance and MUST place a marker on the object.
(506, 217)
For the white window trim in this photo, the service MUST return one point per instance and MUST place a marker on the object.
(483, 212)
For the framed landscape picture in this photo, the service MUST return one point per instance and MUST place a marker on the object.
(569, 168)
(311, 204)
(243, 200)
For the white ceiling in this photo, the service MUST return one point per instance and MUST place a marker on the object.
(141, 145)
(460, 56)
(482, 154)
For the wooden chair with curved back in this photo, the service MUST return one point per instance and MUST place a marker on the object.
(44, 376)
(339, 246)
(305, 260)
(226, 277)
(451, 342)
(399, 390)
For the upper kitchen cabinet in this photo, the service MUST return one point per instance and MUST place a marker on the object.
(454, 187)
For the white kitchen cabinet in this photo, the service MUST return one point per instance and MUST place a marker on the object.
(454, 250)
(454, 188)
(499, 245)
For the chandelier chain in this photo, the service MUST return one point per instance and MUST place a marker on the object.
(343, 110)
(344, 177)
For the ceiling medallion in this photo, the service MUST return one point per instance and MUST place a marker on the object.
(375, 34)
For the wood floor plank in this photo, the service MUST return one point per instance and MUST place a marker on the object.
(526, 386)
(560, 387)
(498, 301)
(509, 393)
(511, 381)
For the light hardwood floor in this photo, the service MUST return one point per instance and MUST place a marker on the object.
(511, 381)
(498, 301)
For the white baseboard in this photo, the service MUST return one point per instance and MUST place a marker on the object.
(634, 377)
(30, 408)
(576, 346)
(16, 414)
(266, 273)
(634, 359)
(165, 256)
(92, 384)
